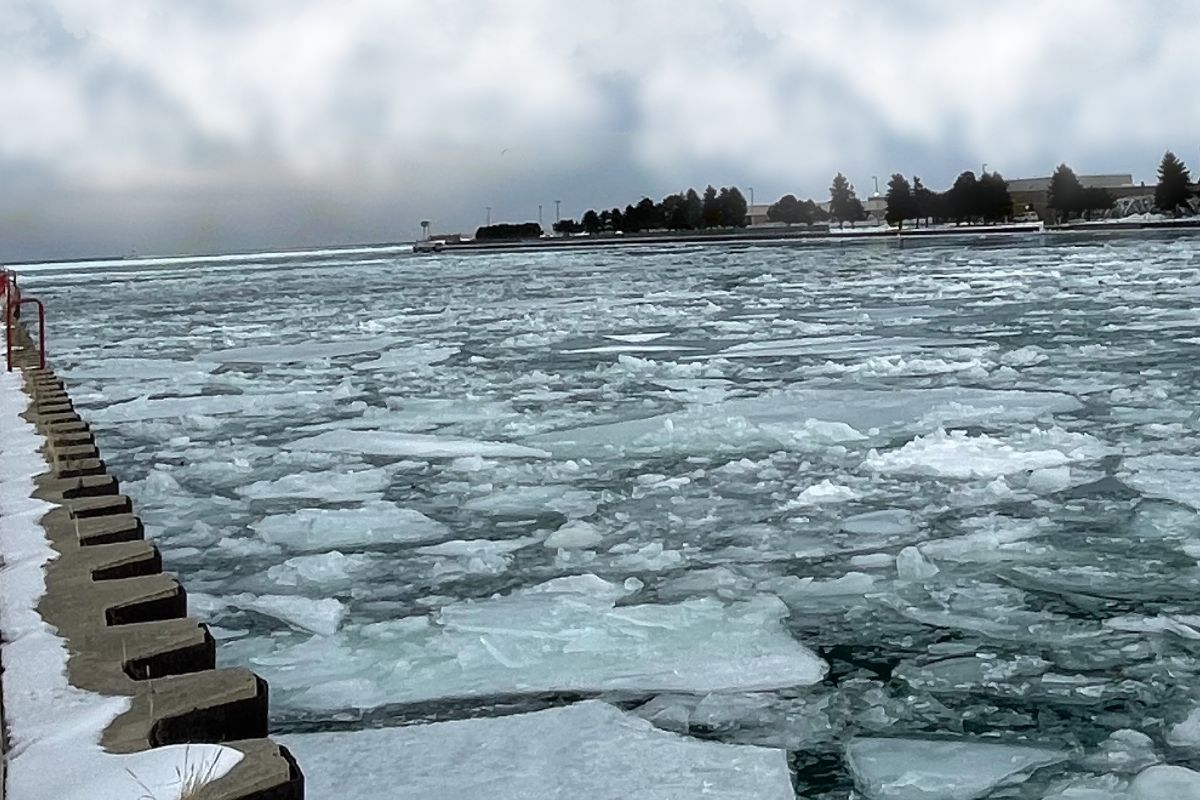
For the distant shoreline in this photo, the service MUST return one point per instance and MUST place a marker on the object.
(795, 235)
(801, 235)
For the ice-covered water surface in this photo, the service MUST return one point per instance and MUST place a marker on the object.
(938, 499)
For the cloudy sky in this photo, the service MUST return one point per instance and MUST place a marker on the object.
(215, 125)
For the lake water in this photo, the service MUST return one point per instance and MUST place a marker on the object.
(918, 520)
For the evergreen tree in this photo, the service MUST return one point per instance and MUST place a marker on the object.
(617, 219)
(787, 210)
(1172, 190)
(929, 205)
(591, 222)
(673, 211)
(733, 207)
(711, 215)
(1095, 198)
(900, 202)
(648, 215)
(693, 210)
(843, 205)
(632, 222)
(813, 212)
(994, 203)
(1066, 192)
(962, 201)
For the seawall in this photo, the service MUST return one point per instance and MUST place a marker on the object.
(124, 621)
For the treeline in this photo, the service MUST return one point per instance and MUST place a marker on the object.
(507, 231)
(686, 211)
(971, 199)
(982, 198)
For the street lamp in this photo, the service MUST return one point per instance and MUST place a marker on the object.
(557, 216)
(539, 215)
(876, 179)
(983, 170)
(751, 188)
(489, 216)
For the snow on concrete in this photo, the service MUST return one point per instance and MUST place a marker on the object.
(54, 729)
(587, 750)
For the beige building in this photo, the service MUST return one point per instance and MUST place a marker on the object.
(756, 215)
(1033, 194)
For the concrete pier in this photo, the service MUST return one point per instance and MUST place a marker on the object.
(125, 622)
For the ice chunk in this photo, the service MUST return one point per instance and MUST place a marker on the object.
(1186, 733)
(587, 750)
(575, 535)
(566, 635)
(1123, 751)
(957, 455)
(940, 769)
(207, 405)
(1049, 480)
(781, 418)
(405, 359)
(317, 616)
(824, 492)
(410, 445)
(1170, 477)
(889, 522)
(635, 338)
(991, 538)
(1186, 626)
(912, 566)
(374, 523)
(521, 501)
(320, 570)
(290, 353)
(651, 556)
(462, 548)
(793, 588)
(629, 348)
(1090, 787)
(477, 556)
(1163, 781)
(330, 486)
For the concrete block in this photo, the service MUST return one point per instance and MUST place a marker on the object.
(83, 466)
(103, 530)
(266, 772)
(103, 506)
(81, 486)
(75, 453)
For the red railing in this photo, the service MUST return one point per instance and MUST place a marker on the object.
(11, 294)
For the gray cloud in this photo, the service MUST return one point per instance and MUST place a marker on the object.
(169, 126)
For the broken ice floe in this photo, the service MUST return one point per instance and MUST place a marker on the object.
(565, 635)
(589, 749)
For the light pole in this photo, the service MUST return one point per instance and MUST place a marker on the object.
(751, 188)
(539, 215)
(557, 205)
(983, 170)
(489, 216)
(876, 179)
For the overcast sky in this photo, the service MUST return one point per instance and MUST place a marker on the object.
(169, 126)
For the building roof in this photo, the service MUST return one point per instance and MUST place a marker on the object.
(1089, 181)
